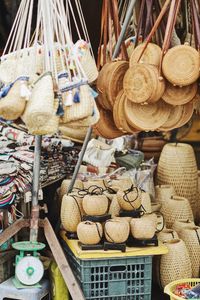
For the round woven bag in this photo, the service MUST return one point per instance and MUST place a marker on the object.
(116, 231)
(175, 264)
(177, 167)
(167, 235)
(191, 238)
(89, 233)
(180, 65)
(129, 199)
(95, 205)
(151, 55)
(143, 228)
(164, 192)
(175, 118)
(71, 212)
(176, 208)
(176, 95)
(146, 117)
(182, 224)
(187, 113)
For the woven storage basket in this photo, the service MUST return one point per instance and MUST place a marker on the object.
(151, 55)
(71, 212)
(177, 167)
(95, 185)
(40, 107)
(65, 185)
(155, 207)
(129, 199)
(181, 224)
(114, 208)
(175, 264)
(175, 118)
(123, 183)
(176, 95)
(146, 202)
(76, 134)
(191, 238)
(95, 205)
(164, 192)
(146, 117)
(12, 106)
(89, 233)
(181, 65)
(116, 231)
(176, 208)
(143, 228)
(167, 235)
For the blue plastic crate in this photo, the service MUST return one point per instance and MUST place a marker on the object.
(127, 278)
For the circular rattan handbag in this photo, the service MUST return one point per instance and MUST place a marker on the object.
(116, 231)
(129, 199)
(175, 118)
(151, 55)
(187, 113)
(71, 212)
(181, 65)
(89, 233)
(95, 205)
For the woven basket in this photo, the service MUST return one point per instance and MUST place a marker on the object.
(95, 185)
(155, 207)
(146, 203)
(76, 134)
(182, 224)
(116, 231)
(163, 192)
(191, 237)
(198, 200)
(181, 65)
(176, 208)
(95, 205)
(12, 106)
(114, 208)
(176, 95)
(175, 118)
(167, 235)
(40, 107)
(89, 233)
(129, 199)
(151, 55)
(65, 185)
(7, 70)
(177, 167)
(123, 183)
(143, 228)
(71, 212)
(187, 113)
(175, 264)
(146, 117)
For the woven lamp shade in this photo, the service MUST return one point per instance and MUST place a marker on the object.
(175, 264)
(151, 55)
(177, 167)
(146, 117)
(181, 65)
(167, 235)
(182, 224)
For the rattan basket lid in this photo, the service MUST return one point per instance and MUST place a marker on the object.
(176, 95)
(151, 55)
(140, 83)
(181, 65)
(174, 118)
(146, 117)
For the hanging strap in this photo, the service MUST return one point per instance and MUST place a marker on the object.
(196, 23)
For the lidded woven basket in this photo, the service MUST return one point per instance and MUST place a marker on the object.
(116, 230)
(71, 212)
(143, 228)
(95, 205)
(129, 199)
(89, 233)
(65, 185)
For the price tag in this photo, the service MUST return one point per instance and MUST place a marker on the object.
(27, 197)
(40, 194)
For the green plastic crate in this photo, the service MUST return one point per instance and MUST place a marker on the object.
(127, 278)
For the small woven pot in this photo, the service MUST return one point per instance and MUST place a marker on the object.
(163, 192)
(191, 238)
(129, 199)
(114, 208)
(175, 264)
(181, 65)
(146, 203)
(143, 228)
(151, 55)
(116, 231)
(167, 235)
(13, 105)
(71, 212)
(95, 205)
(89, 233)
(176, 208)
(181, 224)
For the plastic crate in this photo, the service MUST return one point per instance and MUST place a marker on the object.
(127, 278)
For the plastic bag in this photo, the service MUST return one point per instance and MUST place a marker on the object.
(58, 287)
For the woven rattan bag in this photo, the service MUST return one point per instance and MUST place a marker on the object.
(191, 237)
(71, 212)
(176, 117)
(177, 167)
(151, 55)
(95, 205)
(89, 233)
(116, 231)
(129, 199)
(144, 228)
(65, 185)
(76, 134)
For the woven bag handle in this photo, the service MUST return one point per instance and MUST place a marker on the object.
(196, 23)
(149, 17)
(140, 21)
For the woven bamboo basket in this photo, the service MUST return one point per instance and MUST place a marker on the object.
(164, 192)
(155, 207)
(175, 118)
(76, 134)
(146, 202)
(143, 228)
(71, 212)
(175, 264)
(89, 233)
(12, 106)
(151, 55)
(95, 205)
(65, 185)
(181, 65)
(95, 185)
(129, 199)
(191, 238)
(177, 167)
(146, 117)
(176, 95)
(40, 111)
(167, 234)
(121, 183)
(181, 224)
(176, 208)
(114, 208)
(116, 231)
